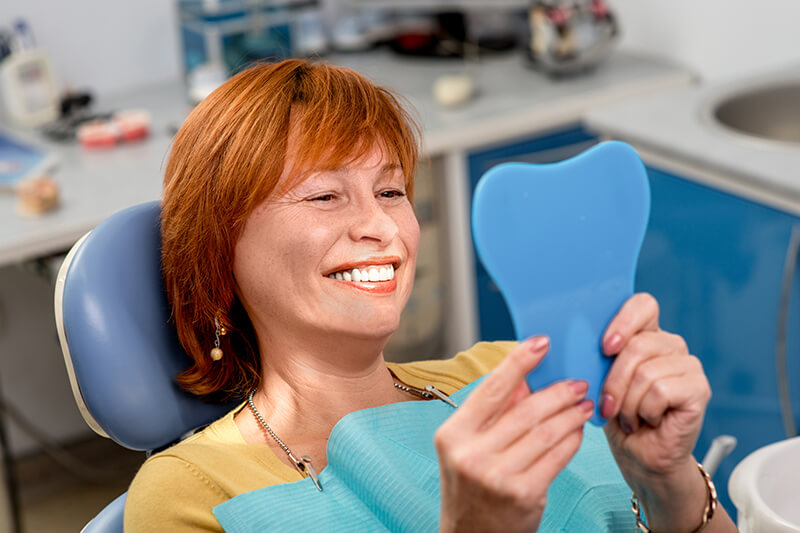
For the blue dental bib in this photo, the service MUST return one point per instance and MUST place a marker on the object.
(383, 475)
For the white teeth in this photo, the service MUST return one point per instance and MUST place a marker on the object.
(376, 273)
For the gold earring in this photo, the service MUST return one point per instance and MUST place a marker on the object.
(216, 351)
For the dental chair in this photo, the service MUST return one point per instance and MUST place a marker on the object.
(122, 355)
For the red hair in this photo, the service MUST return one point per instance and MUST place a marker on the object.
(227, 159)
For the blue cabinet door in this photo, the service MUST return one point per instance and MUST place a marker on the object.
(715, 261)
(493, 317)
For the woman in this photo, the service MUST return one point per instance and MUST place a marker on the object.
(289, 245)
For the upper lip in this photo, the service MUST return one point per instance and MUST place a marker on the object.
(370, 261)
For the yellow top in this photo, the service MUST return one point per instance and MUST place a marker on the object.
(175, 490)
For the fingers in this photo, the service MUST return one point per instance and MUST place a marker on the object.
(525, 467)
(533, 411)
(673, 392)
(638, 313)
(499, 388)
(652, 390)
(641, 348)
(558, 456)
(499, 452)
(538, 444)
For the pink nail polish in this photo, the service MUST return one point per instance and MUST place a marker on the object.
(607, 406)
(586, 406)
(537, 344)
(625, 426)
(614, 344)
(579, 387)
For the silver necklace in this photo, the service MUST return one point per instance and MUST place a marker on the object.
(303, 463)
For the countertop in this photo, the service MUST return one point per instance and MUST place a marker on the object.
(676, 127)
(512, 101)
(95, 183)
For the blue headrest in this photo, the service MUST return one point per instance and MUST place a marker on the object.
(121, 351)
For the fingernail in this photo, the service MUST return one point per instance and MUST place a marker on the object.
(579, 387)
(586, 406)
(537, 344)
(613, 344)
(607, 406)
(625, 426)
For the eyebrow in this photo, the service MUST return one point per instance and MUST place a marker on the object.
(388, 167)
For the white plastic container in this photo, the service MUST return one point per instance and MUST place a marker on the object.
(765, 487)
(28, 88)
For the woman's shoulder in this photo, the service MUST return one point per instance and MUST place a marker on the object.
(452, 374)
(172, 494)
(176, 489)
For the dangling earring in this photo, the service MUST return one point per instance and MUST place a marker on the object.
(216, 351)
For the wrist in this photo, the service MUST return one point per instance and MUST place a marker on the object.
(685, 503)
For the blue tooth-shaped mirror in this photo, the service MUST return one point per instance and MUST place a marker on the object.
(561, 242)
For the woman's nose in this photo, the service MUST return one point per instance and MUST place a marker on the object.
(372, 222)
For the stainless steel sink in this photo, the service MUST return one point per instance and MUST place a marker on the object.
(768, 112)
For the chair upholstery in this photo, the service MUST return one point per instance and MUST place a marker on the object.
(121, 353)
(110, 519)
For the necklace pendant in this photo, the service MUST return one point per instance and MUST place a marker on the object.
(439, 394)
(305, 465)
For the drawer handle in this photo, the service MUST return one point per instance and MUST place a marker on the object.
(784, 393)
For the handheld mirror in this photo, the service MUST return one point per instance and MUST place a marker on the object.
(561, 242)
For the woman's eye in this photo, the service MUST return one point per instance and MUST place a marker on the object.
(323, 198)
(393, 194)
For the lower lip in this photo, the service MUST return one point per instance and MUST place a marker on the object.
(377, 287)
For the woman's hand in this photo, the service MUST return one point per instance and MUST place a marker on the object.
(655, 393)
(504, 446)
(654, 397)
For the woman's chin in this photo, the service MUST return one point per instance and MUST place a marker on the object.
(376, 330)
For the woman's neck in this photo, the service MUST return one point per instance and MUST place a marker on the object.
(306, 390)
(314, 395)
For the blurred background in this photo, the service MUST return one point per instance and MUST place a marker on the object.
(91, 91)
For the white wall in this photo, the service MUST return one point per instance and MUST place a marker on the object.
(717, 39)
(110, 44)
(105, 45)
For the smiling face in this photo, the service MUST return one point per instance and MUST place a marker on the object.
(335, 255)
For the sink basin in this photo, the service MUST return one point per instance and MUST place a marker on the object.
(768, 112)
(764, 488)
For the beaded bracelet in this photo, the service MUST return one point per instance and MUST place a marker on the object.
(708, 512)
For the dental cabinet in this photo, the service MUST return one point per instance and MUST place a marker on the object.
(721, 256)
(715, 261)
